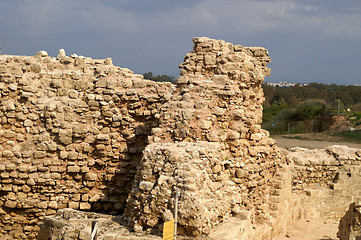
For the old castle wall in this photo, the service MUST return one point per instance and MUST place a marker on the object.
(84, 134)
(71, 136)
(229, 167)
(326, 181)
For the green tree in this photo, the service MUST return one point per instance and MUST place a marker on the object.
(159, 78)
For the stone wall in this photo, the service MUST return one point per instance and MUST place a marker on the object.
(230, 166)
(81, 133)
(73, 131)
(326, 181)
(71, 135)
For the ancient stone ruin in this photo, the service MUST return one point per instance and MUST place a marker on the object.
(83, 134)
(350, 224)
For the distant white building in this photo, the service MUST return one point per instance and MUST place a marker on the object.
(283, 84)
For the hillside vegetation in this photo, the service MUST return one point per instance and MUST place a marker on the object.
(311, 108)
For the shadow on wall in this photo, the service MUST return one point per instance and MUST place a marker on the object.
(116, 183)
(350, 224)
(72, 131)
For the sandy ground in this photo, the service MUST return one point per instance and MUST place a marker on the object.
(312, 229)
(310, 141)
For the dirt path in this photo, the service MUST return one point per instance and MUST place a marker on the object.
(312, 229)
(309, 141)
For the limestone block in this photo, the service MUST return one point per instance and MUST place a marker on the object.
(42, 169)
(220, 79)
(256, 136)
(55, 176)
(219, 111)
(101, 83)
(110, 236)
(41, 54)
(108, 61)
(9, 105)
(138, 83)
(238, 113)
(30, 182)
(95, 198)
(12, 196)
(56, 83)
(73, 155)
(6, 188)
(84, 206)
(51, 146)
(233, 135)
(205, 124)
(240, 173)
(91, 176)
(10, 167)
(65, 136)
(210, 59)
(146, 186)
(26, 189)
(182, 80)
(36, 67)
(61, 53)
(259, 52)
(73, 169)
(14, 174)
(39, 154)
(73, 205)
(85, 234)
(28, 123)
(85, 197)
(64, 154)
(10, 204)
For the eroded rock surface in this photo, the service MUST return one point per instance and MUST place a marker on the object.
(73, 224)
(350, 224)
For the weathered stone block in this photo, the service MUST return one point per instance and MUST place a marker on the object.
(65, 136)
(10, 204)
(146, 186)
(73, 205)
(91, 176)
(204, 124)
(53, 204)
(73, 169)
(84, 206)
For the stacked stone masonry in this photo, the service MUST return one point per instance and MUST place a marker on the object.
(326, 180)
(83, 134)
(218, 101)
(71, 136)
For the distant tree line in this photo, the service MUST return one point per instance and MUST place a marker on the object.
(330, 94)
(159, 78)
(309, 107)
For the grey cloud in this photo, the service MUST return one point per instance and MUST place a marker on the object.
(147, 6)
(154, 35)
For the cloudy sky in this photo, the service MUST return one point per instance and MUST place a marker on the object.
(308, 40)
